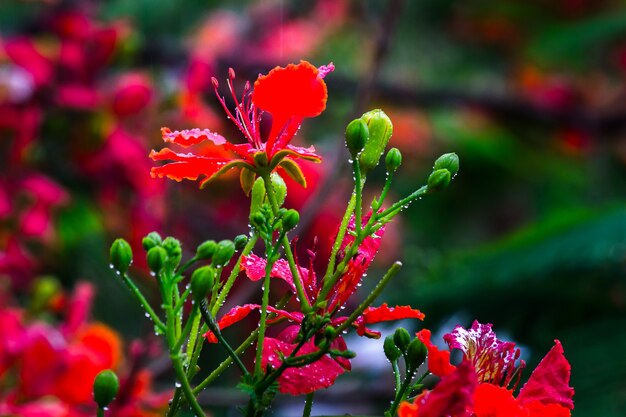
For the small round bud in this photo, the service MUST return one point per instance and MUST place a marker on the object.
(151, 240)
(291, 219)
(121, 255)
(330, 332)
(173, 250)
(402, 338)
(206, 249)
(391, 350)
(202, 281)
(438, 180)
(380, 129)
(225, 250)
(240, 242)
(449, 161)
(156, 258)
(357, 134)
(415, 354)
(257, 219)
(105, 388)
(393, 160)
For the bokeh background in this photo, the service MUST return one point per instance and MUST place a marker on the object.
(531, 235)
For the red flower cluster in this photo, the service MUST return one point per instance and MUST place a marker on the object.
(288, 94)
(322, 373)
(478, 387)
(54, 366)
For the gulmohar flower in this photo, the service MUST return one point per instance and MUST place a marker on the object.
(288, 94)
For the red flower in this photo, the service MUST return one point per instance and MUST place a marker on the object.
(321, 374)
(289, 94)
(546, 394)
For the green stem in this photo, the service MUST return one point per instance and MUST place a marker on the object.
(340, 235)
(100, 412)
(391, 272)
(304, 302)
(399, 205)
(186, 265)
(396, 374)
(263, 321)
(210, 321)
(142, 300)
(225, 363)
(358, 191)
(233, 275)
(308, 405)
(383, 193)
(400, 396)
(187, 391)
(187, 329)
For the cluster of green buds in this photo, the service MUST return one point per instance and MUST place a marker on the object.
(413, 351)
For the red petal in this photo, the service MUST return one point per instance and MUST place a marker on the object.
(254, 267)
(536, 409)
(305, 379)
(549, 382)
(191, 137)
(373, 315)
(438, 360)
(494, 401)
(452, 396)
(293, 91)
(23, 52)
(186, 166)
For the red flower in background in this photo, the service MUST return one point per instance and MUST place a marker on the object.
(289, 94)
(492, 363)
(322, 373)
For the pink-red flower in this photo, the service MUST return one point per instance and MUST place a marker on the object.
(484, 391)
(288, 94)
(322, 373)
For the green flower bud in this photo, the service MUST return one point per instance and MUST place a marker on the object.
(438, 180)
(206, 249)
(225, 250)
(391, 351)
(415, 354)
(258, 195)
(240, 241)
(290, 219)
(449, 161)
(105, 388)
(357, 134)
(121, 255)
(173, 249)
(402, 338)
(156, 258)
(280, 188)
(151, 240)
(330, 332)
(393, 160)
(202, 281)
(257, 220)
(380, 130)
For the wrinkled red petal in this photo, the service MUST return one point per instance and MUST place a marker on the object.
(438, 360)
(452, 396)
(186, 166)
(373, 315)
(303, 380)
(191, 137)
(549, 382)
(357, 266)
(305, 153)
(254, 267)
(495, 401)
(537, 409)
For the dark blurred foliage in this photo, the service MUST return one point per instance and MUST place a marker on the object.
(531, 236)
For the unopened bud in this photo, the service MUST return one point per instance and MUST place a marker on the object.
(290, 219)
(402, 338)
(257, 220)
(225, 250)
(258, 195)
(330, 332)
(173, 249)
(105, 388)
(438, 180)
(380, 129)
(393, 160)
(280, 188)
(206, 249)
(156, 258)
(151, 240)
(415, 354)
(449, 161)
(357, 134)
(391, 350)
(121, 255)
(240, 242)
(202, 281)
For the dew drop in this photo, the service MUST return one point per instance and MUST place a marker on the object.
(177, 384)
(111, 266)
